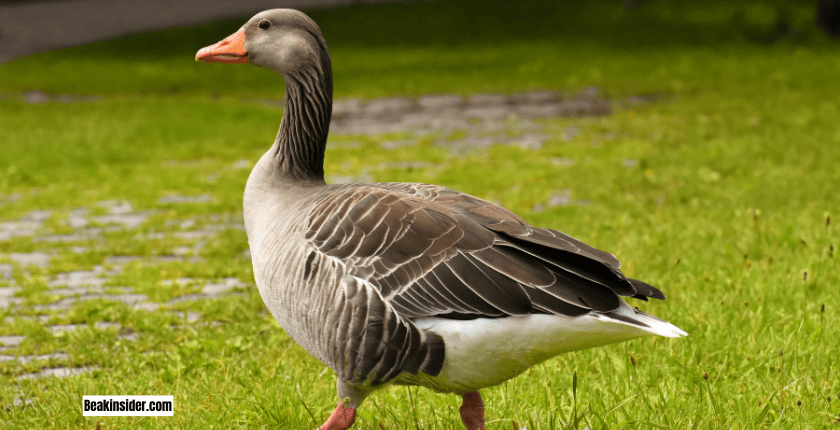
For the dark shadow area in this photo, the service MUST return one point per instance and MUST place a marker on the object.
(828, 16)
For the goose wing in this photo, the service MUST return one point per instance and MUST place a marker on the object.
(414, 250)
(433, 251)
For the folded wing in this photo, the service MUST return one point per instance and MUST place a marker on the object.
(432, 251)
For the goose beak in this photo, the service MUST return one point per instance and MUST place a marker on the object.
(230, 50)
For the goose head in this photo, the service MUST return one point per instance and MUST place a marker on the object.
(290, 43)
(284, 40)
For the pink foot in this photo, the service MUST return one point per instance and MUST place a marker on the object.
(472, 411)
(341, 419)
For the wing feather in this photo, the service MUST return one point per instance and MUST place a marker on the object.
(512, 263)
(444, 277)
(373, 218)
(579, 265)
(646, 290)
(553, 305)
(501, 292)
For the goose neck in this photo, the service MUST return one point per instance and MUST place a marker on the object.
(302, 139)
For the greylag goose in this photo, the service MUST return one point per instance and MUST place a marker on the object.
(407, 283)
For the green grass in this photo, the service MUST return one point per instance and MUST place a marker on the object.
(725, 210)
(463, 47)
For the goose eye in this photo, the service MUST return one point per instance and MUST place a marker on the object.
(264, 25)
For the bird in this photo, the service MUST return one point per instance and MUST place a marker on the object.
(408, 283)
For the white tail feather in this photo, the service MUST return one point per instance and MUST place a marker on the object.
(488, 351)
(655, 325)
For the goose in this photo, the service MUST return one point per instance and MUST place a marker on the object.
(408, 283)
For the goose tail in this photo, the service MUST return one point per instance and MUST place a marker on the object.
(630, 316)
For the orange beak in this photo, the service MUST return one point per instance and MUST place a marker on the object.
(230, 50)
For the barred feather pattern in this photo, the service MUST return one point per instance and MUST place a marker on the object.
(302, 138)
(340, 319)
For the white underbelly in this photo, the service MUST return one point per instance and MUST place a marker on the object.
(488, 351)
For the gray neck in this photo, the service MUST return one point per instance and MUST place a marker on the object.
(302, 139)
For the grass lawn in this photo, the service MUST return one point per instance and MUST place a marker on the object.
(720, 194)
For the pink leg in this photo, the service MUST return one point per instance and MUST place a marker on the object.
(472, 411)
(341, 419)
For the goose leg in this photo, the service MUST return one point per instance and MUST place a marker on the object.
(472, 411)
(350, 398)
(341, 419)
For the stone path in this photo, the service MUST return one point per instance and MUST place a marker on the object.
(72, 287)
(482, 116)
(447, 112)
